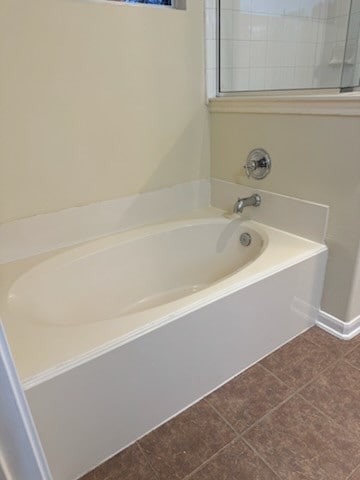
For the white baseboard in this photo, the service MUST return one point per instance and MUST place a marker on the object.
(337, 327)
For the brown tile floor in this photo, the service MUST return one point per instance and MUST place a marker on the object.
(293, 416)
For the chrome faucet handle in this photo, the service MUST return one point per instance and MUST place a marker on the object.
(258, 164)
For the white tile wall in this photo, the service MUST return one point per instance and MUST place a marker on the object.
(352, 55)
(281, 44)
(210, 46)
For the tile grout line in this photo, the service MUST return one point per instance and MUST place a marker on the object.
(325, 415)
(352, 349)
(244, 432)
(188, 476)
(273, 374)
(328, 367)
(324, 346)
(208, 460)
(147, 459)
(277, 475)
(357, 469)
(222, 417)
(351, 365)
(294, 393)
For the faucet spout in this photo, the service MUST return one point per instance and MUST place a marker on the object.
(241, 203)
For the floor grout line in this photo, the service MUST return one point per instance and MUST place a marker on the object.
(261, 458)
(273, 374)
(326, 415)
(317, 375)
(244, 432)
(356, 469)
(147, 459)
(351, 364)
(295, 392)
(208, 460)
(222, 418)
(342, 354)
(352, 349)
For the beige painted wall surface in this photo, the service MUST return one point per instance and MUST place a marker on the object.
(314, 158)
(98, 100)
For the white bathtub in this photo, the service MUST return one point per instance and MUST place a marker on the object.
(114, 337)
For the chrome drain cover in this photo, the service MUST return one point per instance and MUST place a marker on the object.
(245, 239)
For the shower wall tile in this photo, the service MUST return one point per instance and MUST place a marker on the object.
(241, 78)
(226, 53)
(300, 43)
(258, 52)
(241, 25)
(257, 78)
(241, 54)
(210, 48)
(226, 24)
(356, 5)
(226, 80)
(259, 27)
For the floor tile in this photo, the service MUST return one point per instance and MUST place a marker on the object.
(130, 464)
(178, 447)
(319, 337)
(336, 392)
(354, 357)
(236, 462)
(248, 397)
(298, 442)
(299, 361)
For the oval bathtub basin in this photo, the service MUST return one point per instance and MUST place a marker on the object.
(132, 272)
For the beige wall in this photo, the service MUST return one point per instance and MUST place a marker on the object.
(98, 100)
(314, 158)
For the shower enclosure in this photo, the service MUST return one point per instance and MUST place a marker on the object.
(276, 45)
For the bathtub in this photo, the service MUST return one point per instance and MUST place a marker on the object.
(114, 337)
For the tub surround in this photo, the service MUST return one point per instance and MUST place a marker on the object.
(306, 219)
(41, 233)
(44, 233)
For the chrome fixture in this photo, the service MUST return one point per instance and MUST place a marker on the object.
(258, 164)
(253, 201)
(245, 239)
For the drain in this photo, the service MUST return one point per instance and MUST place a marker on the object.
(245, 239)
